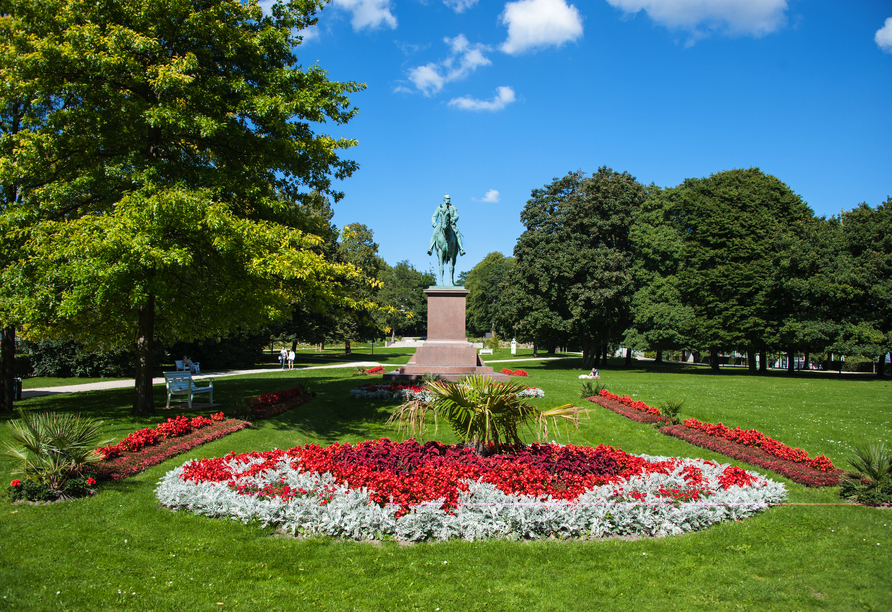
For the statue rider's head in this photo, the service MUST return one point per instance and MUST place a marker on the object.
(446, 200)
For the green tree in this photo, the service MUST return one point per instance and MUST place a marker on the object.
(357, 321)
(189, 128)
(487, 283)
(660, 321)
(402, 289)
(867, 239)
(729, 225)
(575, 258)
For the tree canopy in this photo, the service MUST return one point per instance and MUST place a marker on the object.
(160, 194)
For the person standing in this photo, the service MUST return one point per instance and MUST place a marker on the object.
(283, 356)
(291, 359)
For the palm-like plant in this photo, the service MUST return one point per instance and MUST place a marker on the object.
(53, 446)
(873, 481)
(481, 412)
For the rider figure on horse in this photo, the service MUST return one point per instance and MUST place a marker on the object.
(448, 216)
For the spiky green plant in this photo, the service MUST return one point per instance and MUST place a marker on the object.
(872, 481)
(591, 388)
(482, 412)
(53, 446)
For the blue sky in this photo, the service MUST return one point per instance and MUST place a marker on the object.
(487, 100)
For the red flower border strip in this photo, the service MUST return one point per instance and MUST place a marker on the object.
(749, 445)
(798, 472)
(132, 463)
(514, 373)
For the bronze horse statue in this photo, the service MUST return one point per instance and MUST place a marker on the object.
(446, 244)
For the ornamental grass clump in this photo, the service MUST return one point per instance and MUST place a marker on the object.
(871, 483)
(56, 449)
(484, 414)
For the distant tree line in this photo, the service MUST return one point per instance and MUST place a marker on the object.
(732, 262)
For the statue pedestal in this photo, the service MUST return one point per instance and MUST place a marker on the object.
(446, 352)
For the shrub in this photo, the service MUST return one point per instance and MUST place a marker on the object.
(54, 448)
(591, 388)
(872, 481)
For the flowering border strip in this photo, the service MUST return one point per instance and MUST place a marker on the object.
(627, 411)
(797, 472)
(132, 463)
(458, 495)
(748, 445)
(275, 403)
(368, 371)
(514, 373)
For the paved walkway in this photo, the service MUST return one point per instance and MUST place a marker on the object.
(130, 383)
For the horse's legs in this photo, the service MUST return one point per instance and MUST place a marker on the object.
(440, 258)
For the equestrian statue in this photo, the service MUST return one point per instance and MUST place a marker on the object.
(446, 238)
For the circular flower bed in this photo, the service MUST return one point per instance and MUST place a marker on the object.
(435, 491)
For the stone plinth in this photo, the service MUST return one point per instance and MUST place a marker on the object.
(446, 352)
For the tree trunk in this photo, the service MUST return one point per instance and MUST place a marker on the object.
(143, 403)
(763, 361)
(605, 355)
(536, 351)
(347, 347)
(714, 360)
(805, 362)
(659, 357)
(628, 358)
(751, 361)
(7, 369)
(791, 362)
(881, 366)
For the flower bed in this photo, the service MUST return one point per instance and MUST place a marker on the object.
(746, 445)
(817, 472)
(435, 491)
(514, 373)
(399, 391)
(273, 404)
(130, 462)
(368, 371)
(531, 392)
(629, 408)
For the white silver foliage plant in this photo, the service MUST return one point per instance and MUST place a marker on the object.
(629, 508)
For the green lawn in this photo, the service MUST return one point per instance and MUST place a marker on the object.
(120, 550)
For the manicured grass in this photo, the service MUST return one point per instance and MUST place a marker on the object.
(120, 550)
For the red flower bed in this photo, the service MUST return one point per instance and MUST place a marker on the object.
(756, 439)
(125, 464)
(627, 410)
(273, 404)
(408, 473)
(150, 436)
(514, 373)
(368, 371)
(796, 471)
(793, 463)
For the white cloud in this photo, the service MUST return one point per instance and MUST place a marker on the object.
(539, 23)
(371, 14)
(734, 17)
(459, 6)
(491, 196)
(463, 59)
(504, 96)
(884, 36)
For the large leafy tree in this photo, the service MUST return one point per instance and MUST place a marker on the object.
(357, 321)
(730, 225)
(402, 289)
(487, 283)
(189, 127)
(867, 239)
(575, 258)
(660, 320)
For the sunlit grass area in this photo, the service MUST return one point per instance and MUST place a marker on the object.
(121, 550)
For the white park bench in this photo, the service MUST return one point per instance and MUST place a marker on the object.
(486, 351)
(181, 383)
(181, 367)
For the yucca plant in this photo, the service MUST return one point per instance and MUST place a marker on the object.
(872, 481)
(591, 388)
(53, 446)
(482, 412)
